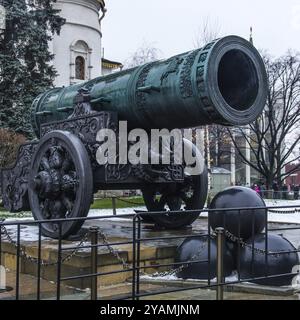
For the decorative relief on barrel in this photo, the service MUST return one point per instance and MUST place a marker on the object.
(203, 57)
(200, 80)
(141, 96)
(210, 45)
(186, 87)
(173, 67)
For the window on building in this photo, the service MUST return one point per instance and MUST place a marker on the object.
(80, 68)
(80, 61)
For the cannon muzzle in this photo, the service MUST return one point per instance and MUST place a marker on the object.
(224, 82)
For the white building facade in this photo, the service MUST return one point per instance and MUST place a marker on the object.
(77, 50)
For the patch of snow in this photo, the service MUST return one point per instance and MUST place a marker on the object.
(232, 278)
(293, 218)
(168, 277)
(274, 202)
(284, 218)
(18, 219)
(120, 211)
(27, 233)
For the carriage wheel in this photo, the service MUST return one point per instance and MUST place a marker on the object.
(189, 195)
(61, 183)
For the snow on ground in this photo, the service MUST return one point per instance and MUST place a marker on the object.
(120, 212)
(30, 233)
(277, 203)
(171, 277)
(283, 217)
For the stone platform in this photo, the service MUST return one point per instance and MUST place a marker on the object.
(117, 230)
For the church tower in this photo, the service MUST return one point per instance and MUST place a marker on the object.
(77, 49)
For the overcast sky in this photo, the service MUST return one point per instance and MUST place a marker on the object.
(171, 25)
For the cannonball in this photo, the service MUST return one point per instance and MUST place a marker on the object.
(277, 264)
(251, 222)
(197, 249)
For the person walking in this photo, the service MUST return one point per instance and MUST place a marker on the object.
(256, 189)
(263, 190)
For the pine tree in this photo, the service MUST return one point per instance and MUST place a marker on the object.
(25, 59)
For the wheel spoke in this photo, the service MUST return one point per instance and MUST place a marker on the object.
(184, 196)
(55, 191)
(45, 164)
(70, 182)
(68, 204)
(67, 163)
(56, 157)
(45, 209)
(162, 202)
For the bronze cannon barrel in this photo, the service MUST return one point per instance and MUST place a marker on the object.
(224, 82)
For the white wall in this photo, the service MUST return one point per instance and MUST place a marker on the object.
(82, 23)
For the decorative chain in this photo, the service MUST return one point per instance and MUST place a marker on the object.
(228, 235)
(293, 211)
(243, 244)
(129, 202)
(36, 260)
(127, 266)
(182, 267)
(122, 261)
(113, 251)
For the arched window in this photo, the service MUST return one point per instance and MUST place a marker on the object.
(80, 68)
(80, 61)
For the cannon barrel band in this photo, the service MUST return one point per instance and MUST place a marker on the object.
(236, 81)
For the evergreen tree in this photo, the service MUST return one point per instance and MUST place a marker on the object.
(25, 59)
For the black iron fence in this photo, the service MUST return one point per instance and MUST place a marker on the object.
(90, 241)
(279, 194)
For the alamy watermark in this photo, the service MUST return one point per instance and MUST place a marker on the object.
(158, 146)
(2, 278)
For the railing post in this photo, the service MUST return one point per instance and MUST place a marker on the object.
(133, 292)
(113, 200)
(220, 263)
(59, 261)
(94, 262)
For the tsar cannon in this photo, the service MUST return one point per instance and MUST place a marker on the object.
(56, 175)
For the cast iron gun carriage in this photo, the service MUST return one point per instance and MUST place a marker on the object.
(56, 176)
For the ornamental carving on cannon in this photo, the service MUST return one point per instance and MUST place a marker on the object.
(57, 175)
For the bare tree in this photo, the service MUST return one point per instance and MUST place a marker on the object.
(219, 145)
(274, 137)
(208, 31)
(146, 53)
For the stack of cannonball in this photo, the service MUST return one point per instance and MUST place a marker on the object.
(247, 225)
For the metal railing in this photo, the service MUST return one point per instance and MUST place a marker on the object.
(90, 241)
(280, 194)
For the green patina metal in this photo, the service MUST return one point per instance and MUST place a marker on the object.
(224, 82)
